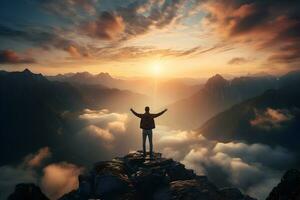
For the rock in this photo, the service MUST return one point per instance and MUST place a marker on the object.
(176, 171)
(110, 179)
(147, 181)
(192, 190)
(288, 188)
(27, 191)
(73, 195)
(85, 186)
(234, 194)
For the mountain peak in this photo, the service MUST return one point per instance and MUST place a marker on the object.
(83, 74)
(27, 71)
(216, 77)
(216, 81)
(104, 75)
(133, 177)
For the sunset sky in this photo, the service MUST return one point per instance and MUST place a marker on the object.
(169, 38)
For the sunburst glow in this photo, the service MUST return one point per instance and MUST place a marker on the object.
(156, 68)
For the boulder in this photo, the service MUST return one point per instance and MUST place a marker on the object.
(110, 179)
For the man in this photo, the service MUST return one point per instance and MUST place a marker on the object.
(147, 124)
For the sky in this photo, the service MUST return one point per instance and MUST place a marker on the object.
(167, 38)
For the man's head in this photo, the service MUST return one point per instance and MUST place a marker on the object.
(147, 109)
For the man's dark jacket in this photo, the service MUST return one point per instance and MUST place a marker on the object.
(147, 120)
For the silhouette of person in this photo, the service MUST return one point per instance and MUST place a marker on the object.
(147, 124)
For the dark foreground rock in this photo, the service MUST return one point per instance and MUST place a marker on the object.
(27, 191)
(134, 178)
(288, 188)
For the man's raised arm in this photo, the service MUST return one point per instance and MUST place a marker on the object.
(160, 113)
(135, 113)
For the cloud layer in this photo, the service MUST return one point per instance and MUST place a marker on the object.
(104, 125)
(247, 166)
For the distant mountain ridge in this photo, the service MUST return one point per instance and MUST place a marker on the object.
(85, 77)
(167, 90)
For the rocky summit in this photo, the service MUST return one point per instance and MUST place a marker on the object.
(134, 178)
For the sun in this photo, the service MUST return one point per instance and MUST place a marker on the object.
(156, 68)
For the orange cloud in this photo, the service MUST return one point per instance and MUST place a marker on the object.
(271, 118)
(35, 160)
(108, 26)
(11, 57)
(60, 178)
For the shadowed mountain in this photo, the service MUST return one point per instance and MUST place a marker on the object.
(288, 188)
(217, 95)
(32, 110)
(272, 118)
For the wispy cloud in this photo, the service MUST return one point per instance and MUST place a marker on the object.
(35, 160)
(45, 38)
(237, 61)
(11, 57)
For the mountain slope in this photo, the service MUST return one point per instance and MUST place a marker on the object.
(217, 95)
(288, 188)
(271, 118)
(32, 110)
